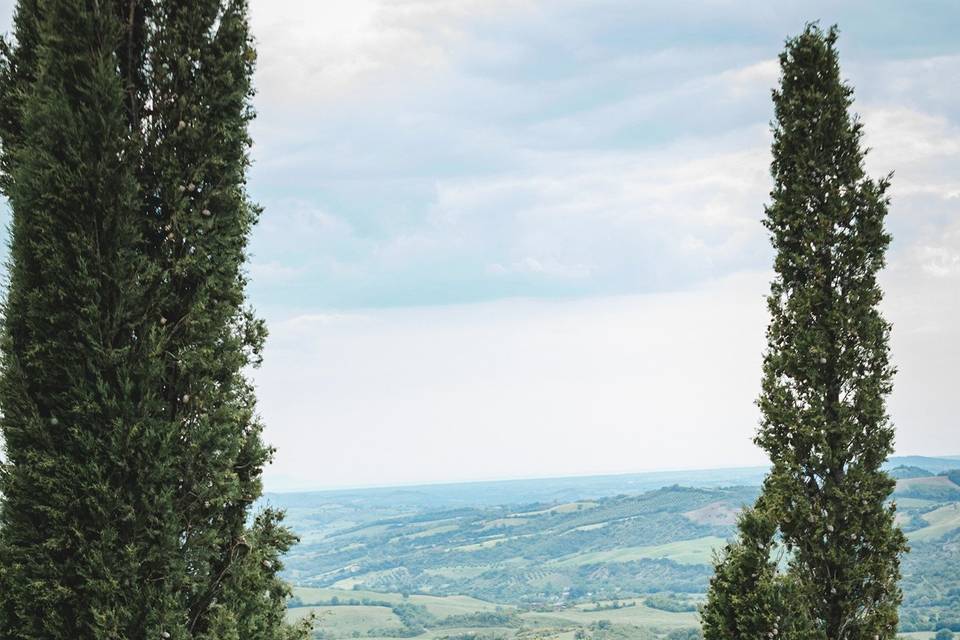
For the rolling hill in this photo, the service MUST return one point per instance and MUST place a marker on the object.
(617, 556)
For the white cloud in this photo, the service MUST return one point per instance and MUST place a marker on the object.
(542, 266)
(924, 151)
(747, 81)
(272, 272)
(937, 256)
(904, 136)
(940, 262)
(920, 83)
(692, 207)
(289, 214)
(310, 51)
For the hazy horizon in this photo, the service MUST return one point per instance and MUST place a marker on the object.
(495, 480)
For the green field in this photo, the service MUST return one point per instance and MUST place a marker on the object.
(570, 507)
(638, 615)
(435, 531)
(523, 569)
(458, 572)
(696, 551)
(440, 606)
(342, 622)
(462, 617)
(941, 521)
(474, 632)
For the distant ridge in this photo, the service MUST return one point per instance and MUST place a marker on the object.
(934, 465)
(904, 472)
(551, 490)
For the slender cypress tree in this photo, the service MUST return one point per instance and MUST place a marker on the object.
(826, 369)
(133, 451)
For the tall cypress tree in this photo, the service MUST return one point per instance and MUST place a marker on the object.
(70, 349)
(133, 448)
(826, 370)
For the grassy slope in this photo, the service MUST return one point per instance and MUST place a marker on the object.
(549, 553)
(696, 551)
(941, 521)
(440, 606)
(639, 615)
(343, 621)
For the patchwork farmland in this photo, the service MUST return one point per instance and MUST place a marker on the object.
(601, 558)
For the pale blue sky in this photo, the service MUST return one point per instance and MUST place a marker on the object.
(438, 152)
(521, 238)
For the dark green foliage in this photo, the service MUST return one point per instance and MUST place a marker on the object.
(617, 604)
(133, 450)
(76, 373)
(685, 634)
(607, 630)
(295, 602)
(415, 617)
(482, 619)
(669, 602)
(826, 368)
(748, 597)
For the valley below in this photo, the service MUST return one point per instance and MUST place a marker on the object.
(581, 558)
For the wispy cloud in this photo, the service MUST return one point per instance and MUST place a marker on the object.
(453, 145)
